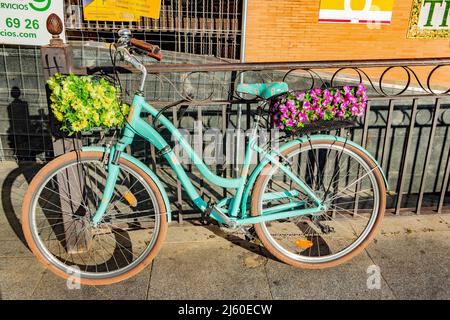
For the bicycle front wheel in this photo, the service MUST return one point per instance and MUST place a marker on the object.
(60, 202)
(345, 179)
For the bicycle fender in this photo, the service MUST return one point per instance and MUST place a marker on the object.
(255, 173)
(142, 166)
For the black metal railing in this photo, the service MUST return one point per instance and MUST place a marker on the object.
(405, 127)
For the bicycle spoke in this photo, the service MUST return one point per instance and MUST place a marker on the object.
(112, 246)
(332, 172)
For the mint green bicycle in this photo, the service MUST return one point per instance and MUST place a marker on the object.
(101, 215)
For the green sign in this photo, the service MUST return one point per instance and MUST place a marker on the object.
(40, 5)
(24, 21)
(429, 19)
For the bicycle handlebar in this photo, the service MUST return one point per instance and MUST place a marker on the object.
(152, 50)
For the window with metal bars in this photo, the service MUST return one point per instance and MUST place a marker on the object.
(204, 27)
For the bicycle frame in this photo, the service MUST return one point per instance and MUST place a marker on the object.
(235, 211)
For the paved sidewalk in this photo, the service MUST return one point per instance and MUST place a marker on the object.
(199, 262)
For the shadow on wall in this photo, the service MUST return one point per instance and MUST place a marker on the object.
(26, 135)
(25, 142)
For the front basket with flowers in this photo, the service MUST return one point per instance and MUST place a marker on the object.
(82, 103)
(296, 112)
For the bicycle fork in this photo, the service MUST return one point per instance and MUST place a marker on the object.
(113, 170)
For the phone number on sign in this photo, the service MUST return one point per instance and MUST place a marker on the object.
(12, 24)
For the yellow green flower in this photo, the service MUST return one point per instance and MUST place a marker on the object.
(82, 103)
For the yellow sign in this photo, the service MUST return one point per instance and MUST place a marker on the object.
(145, 8)
(356, 11)
(120, 10)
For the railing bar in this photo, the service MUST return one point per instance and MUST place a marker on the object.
(444, 185)
(224, 145)
(364, 144)
(153, 152)
(179, 191)
(248, 116)
(256, 66)
(199, 143)
(342, 133)
(405, 156)
(387, 135)
(428, 155)
(445, 181)
(280, 66)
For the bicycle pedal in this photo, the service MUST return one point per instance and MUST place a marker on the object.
(205, 220)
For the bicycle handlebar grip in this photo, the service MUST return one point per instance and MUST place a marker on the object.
(152, 50)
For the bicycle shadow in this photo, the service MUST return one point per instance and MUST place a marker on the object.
(319, 247)
(10, 195)
(240, 241)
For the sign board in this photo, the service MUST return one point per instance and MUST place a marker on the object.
(429, 19)
(356, 11)
(120, 10)
(24, 21)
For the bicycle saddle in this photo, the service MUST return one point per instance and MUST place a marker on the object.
(263, 90)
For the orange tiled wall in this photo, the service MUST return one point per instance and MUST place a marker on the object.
(288, 30)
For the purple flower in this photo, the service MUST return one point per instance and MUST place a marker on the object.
(300, 96)
(283, 108)
(306, 105)
(321, 114)
(299, 108)
(290, 103)
(302, 117)
(336, 100)
(361, 87)
(290, 123)
(354, 110)
(345, 104)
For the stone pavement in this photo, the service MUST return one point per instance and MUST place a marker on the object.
(199, 262)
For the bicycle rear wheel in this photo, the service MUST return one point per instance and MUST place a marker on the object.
(56, 216)
(350, 185)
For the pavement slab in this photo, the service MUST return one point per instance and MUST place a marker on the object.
(52, 287)
(19, 277)
(205, 270)
(347, 281)
(416, 265)
(14, 249)
(204, 262)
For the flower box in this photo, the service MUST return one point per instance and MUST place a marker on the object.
(296, 112)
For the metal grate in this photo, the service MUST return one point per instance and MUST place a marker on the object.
(24, 133)
(204, 27)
